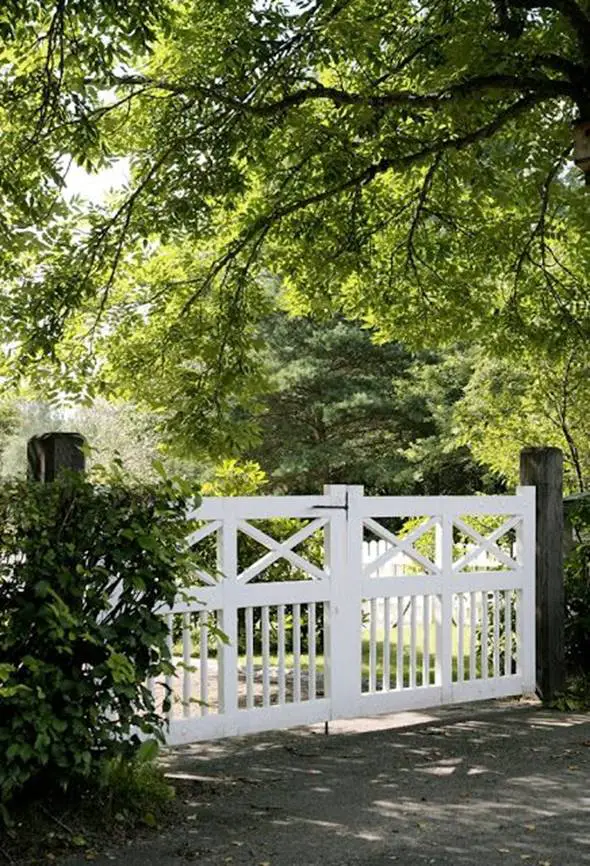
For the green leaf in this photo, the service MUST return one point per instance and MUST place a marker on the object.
(158, 466)
(147, 751)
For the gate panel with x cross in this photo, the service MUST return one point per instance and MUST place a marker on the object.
(290, 622)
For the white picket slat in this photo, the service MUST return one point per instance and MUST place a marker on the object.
(281, 652)
(413, 645)
(496, 653)
(426, 647)
(203, 662)
(373, 647)
(265, 656)
(399, 683)
(296, 653)
(249, 619)
(485, 629)
(460, 637)
(311, 651)
(472, 635)
(508, 633)
(386, 682)
(187, 650)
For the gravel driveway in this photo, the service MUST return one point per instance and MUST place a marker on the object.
(497, 783)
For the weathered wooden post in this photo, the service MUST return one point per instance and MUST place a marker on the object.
(50, 453)
(543, 468)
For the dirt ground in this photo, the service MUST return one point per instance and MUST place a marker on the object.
(490, 784)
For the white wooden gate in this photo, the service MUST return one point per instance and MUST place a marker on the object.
(316, 632)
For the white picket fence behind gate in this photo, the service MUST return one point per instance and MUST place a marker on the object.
(342, 605)
(399, 561)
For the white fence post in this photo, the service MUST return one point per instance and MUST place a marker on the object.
(342, 618)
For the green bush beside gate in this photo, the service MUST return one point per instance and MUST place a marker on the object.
(577, 593)
(73, 665)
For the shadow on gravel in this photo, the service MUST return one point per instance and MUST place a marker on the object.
(492, 785)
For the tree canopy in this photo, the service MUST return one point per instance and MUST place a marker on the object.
(505, 408)
(406, 164)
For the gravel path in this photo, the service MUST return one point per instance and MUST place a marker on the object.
(496, 785)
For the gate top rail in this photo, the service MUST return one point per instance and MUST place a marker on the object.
(260, 507)
(431, 506)
(336, 497)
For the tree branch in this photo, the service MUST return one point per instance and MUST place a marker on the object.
(420, 209)
(563, 410)
(477, 85)
(539, 228)
(439, 146)
(574, 71)
(570, 10)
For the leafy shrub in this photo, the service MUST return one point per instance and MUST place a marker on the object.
(83, 569)
(131, 795)
(576, 695)
(135, 788)
(577, 592)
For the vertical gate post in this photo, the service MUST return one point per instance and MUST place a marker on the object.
(525, 555)
(50, 453)
(342, 615)
(543, 468)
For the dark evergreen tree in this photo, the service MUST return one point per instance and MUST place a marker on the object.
(343, 409)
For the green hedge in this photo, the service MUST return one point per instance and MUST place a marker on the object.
(73, 666)
(577, 592)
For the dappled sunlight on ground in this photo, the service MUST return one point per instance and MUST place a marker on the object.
(482, 784)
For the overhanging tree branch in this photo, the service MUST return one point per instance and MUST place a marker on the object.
(476, 85)
(570, 10)
(420, 209)
(574, 71)
(266, 221)
(539, 228)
